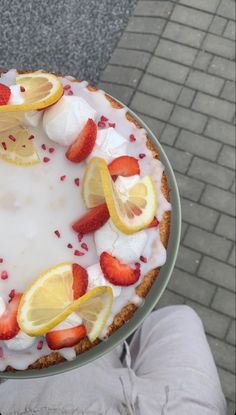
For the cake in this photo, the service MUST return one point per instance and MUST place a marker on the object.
(84, 218)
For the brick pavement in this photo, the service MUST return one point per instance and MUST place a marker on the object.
(174, 65)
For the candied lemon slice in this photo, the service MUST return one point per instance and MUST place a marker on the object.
(49, 300)
(17, 147)
(130, 210)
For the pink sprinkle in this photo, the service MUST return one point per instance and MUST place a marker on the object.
(62, 178)
(132, 138)
(1, 353)
(112, 124)
(12, 294)
(12, 138)
(51, 150)
(4, 146)
(46, 159)
(22, 89)
(101, 124)
(1, 260)
(143, 259)
(84, 246)
(77, 181)
(137, 265)
(43, 146)
(80, 237)
(142, 155)
(78, 253)
(67, 87)
(4, 275)
(40, 345)
(70, 92)
(103, 118)
(70, 246)
(31, 137)
(57, 233)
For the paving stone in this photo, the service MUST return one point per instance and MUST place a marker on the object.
(179, 160)
(219, 199)
(198, 145)
(233, 187)
(198, 215)
(226, 227)
(207, 243)
(155, 125)
(186, 118)
(188, 187)
(132, 58)
(186, 97)
(224, 302)
(227, 157)
(219, 46)
(208, 5)
(120, 75)
(223, 353)
(205, 82)
(211, 173)
(176, 52)
(217, 272)
(151, 106)
(228, 383)
(191, 17)
(139, 41)
(221, 131)
(169, 298)
(191, 287)
(168, 70)
(229, 91)
(187, 259)
(184, 227)
(159, 87)
(217, 26)
(231, 333)
(232, 257)
(222, 67)
(227, 9)
(213, 106)
(214, 323)
(153, 8)
(183, 34)
(230, 30)
(169, 134)
(152, 25)
(202, 61)
(121, 92)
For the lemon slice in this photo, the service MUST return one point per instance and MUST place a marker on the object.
(49, 300)
(41, 90)
(131, 210)
(17, 147)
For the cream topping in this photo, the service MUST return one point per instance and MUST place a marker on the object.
(109, 145)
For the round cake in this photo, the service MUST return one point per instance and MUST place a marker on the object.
(84, 218)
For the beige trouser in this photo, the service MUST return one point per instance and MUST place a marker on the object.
(168, 370)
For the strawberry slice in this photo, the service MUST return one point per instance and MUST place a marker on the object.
(80, 281)
(8, 321)
(116, 272)
(92, 220)
(83, 145)
(65, 338)
(154, 223)
(124, 166)
(5, 93)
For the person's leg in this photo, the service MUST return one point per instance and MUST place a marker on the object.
(174, 367)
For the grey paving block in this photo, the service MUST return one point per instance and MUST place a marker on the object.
(231, 334)
(188, 187)
(227, 157)
(168, 70)
(169, 298)
(232, 257)
(228, 92)
(184, 227)
(121, 75)
(211, 173)
(155, 125)
(207, 243)
(219, 46)
(183, 34)
(159, 87)
(219, 199)
(222, 67)
(186, 118)
(153, 8)
(202, 61)
(133, 58)
(121, 92)
(213, 106)
(198, 215)
(221, 131)
(176, 52)
(217, 26)
(187, 259)
(186, 97)
(230, 30)
(227, 9)
(228, 383)
(208, 5)
(152, 25)
(226, 227)
(169, 134)
(198, 145)
(139, 41)
(180, 160)
(151, 106)
(205, 82)
(191, 17)
(191, 287)
(223, 353)
(233, 187)
(217, 272)
(224, 302)
(214, 323)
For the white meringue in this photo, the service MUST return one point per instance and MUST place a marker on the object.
(2, 306)
(96, 279)
(16, 97)
(20, 342)
(109, 145)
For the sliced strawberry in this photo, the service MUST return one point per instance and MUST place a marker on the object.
(154, 223)
(83, 145)
(124, 166)
(5, 94)
(80, 281)
(65, 338)
(8, 321)
(92, 220)
(116, 272)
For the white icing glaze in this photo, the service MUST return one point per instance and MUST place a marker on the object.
(32, 118)
(16, 96)
(96, 279)
(109, 145)
(2, 306)
(20, 342)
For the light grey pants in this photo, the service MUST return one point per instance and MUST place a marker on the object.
(168, 370)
